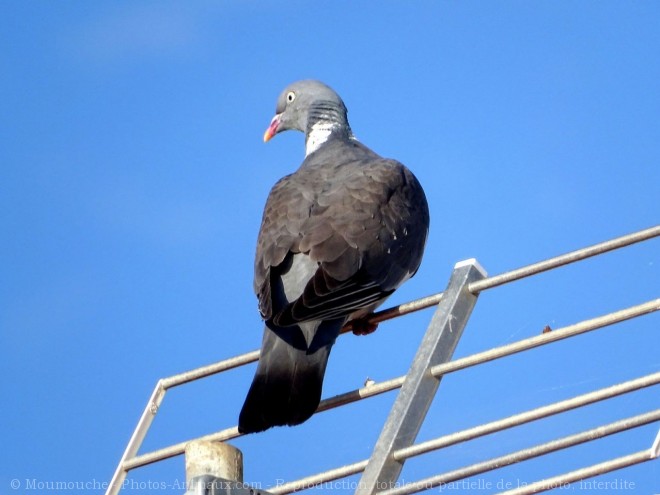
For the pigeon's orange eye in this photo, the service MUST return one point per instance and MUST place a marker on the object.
(290, 96)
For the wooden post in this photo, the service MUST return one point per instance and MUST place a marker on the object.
(213, 458)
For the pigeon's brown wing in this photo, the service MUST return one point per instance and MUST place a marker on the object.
(363, 221)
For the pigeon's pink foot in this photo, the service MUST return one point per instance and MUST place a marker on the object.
(363, 327)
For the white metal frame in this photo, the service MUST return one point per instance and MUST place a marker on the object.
(419, 386)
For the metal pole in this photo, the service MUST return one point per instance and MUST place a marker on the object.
(419, 387)
(580, 474)
(137, 438)
(319, 479)
(565, 259)
(178, 448)
(528, 416)
(216, 468)
(588, 472)
(479, 431)
(548, 338)
(529, 453)
(217, 459)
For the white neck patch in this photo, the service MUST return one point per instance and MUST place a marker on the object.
(318, 135)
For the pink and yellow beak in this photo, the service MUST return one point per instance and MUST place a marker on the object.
(272, 128)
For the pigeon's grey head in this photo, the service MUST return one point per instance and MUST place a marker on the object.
(304, 104)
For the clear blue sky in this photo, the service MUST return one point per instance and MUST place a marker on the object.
(132, 181)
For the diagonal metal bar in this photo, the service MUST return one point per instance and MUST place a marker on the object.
(414, 399)
(581, 474)
(588, 472)
(211, 369)
(137, 438)
(529, 453)
(547, 338)
(497, 352)
(565, 259)
(360, 393)
(319, 479)
(179, 448)
(655, 448)
(480, 431)
(529, 416)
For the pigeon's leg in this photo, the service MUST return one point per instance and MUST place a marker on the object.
(362, 326)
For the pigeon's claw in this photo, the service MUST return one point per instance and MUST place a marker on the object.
(362, 326)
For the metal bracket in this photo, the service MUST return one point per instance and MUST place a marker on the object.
(419, 388)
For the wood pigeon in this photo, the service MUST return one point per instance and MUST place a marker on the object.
(337, 237)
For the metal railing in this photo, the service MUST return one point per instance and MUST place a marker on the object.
(418, 387)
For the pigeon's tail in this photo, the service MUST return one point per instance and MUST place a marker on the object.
(286, 389)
